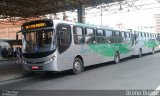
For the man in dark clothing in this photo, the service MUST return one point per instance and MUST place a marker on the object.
(2, 53)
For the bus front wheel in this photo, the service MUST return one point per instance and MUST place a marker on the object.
(77, 66)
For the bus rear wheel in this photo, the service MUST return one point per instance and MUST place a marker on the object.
(140, 53)
(77, 66)
(116, 58)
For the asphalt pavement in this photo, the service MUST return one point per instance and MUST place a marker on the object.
(129, 74)
(10, 69)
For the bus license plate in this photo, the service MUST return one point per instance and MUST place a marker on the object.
(35, 67)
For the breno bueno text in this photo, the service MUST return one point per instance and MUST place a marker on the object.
(142, 92)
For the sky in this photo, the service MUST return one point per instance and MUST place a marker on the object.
(142, 19)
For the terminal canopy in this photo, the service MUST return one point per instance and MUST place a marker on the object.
(33, 8)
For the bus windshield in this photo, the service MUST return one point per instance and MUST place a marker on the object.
(38, 41)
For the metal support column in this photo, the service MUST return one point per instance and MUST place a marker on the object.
(81, 13)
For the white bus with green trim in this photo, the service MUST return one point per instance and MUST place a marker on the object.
(51, 45)
(158, 39)
(144, 42)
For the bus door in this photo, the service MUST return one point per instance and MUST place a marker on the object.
(64, 44)
(133, 38)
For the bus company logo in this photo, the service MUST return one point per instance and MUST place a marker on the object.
(36, 49)
(35, 26)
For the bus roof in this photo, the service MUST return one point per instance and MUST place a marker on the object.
(72, 23)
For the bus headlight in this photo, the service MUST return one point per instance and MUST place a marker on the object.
(24, 62)
(49, 61)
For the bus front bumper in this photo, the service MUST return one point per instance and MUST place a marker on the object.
(50, 65)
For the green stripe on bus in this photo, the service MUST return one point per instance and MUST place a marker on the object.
(109, 49)
(151, 44)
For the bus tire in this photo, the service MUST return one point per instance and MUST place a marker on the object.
(140, 53)
(153, 51)
(77, 66)
(116, 58)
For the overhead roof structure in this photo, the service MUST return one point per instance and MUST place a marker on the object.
(33, 8)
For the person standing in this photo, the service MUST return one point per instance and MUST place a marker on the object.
(2, 53)
(14, 52)
(5, 52)
(18, 55)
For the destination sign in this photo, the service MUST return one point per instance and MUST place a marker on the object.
(35, 26)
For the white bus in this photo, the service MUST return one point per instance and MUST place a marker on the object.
(50, 45)
(145, 42)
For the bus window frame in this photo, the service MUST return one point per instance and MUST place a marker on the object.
(93, 35)
(97, 37)
(83, 35)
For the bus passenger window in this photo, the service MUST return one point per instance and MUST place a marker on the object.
(100, 38)
(128, 37)
(117, 37)
(116, 33)
(64, 41)
(90, 39)
(141, 34)
(109, 36)
(78, 35)
(123, 36)
(108, 33)
(99, 33)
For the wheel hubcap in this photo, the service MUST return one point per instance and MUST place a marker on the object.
(117, 59)
(77, 66)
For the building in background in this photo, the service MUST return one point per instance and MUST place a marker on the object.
(8, 31)
(157, 23)
(8, 35)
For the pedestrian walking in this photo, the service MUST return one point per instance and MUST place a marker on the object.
(18, 53)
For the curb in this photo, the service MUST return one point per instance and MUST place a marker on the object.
(8, 80)
(19, 78)
(1, 60)
(11, 73)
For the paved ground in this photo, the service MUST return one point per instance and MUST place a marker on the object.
(7, 62)
(9, 69)
(133, 73)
